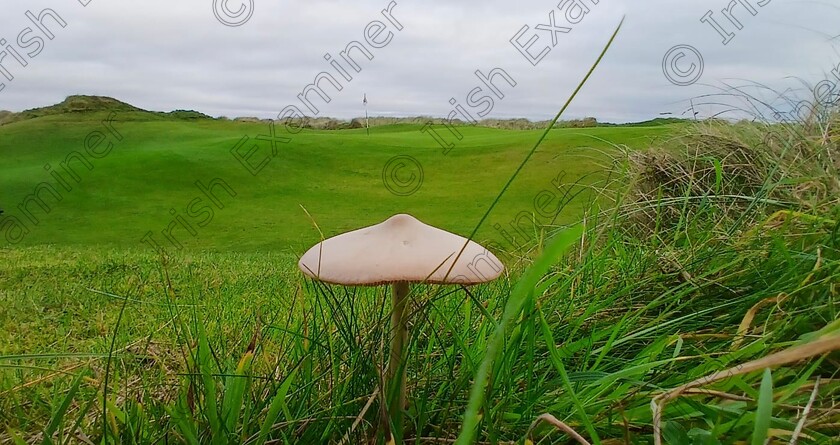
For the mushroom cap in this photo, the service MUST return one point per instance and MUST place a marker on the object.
(401, 249)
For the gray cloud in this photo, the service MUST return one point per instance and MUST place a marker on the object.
(163, 55)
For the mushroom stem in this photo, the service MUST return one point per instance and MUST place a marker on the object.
(399, 335)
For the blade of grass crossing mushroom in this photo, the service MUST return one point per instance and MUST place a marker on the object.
(525, 286)
(538, 143)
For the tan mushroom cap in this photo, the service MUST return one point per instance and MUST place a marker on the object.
(399, 249)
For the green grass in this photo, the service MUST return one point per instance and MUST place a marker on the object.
(225, 342)
(599, 339)
(335, 175)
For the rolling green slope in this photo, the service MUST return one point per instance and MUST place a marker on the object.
(337, 176)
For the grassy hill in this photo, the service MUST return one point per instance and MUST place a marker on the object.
(337, 176)
(78, 106)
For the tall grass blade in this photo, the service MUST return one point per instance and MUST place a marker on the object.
(277, 404)
(765, 409)
(184, 421)
(204, 363)
(526, 284)
(521, 293)
(61, 410)
(235, 392)
(108, 372)
(554, 354)
(539, 141)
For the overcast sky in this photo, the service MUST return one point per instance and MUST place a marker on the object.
(167, 54)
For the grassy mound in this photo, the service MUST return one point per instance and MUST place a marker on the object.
(77, 105)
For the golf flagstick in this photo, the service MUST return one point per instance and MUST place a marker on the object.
(367, 122)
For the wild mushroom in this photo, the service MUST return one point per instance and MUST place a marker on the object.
(399, 251)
